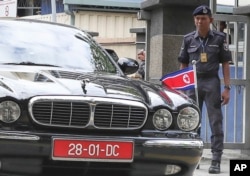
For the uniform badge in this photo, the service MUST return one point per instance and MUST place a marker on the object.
(204, 10)
(203, 57)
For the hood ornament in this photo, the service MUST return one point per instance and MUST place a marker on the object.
(83, 84)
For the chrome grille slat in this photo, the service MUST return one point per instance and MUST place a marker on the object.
(60, 113)
(88, 112)
(121, 116)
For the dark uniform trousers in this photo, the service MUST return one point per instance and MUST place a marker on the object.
(209, 92)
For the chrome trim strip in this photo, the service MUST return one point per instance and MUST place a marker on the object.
(174, 143)
(18, 136)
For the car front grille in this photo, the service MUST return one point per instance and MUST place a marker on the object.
(87, 112)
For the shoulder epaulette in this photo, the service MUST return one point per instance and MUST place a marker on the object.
(218, 33)
(189, 34)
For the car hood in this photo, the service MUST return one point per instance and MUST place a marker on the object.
(24, 82)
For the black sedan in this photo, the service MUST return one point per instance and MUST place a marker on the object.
(66, 104)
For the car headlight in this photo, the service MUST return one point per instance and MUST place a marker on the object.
(9, 111)
(188, 119)
(162, 119)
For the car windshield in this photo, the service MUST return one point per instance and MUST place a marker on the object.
(51, 45)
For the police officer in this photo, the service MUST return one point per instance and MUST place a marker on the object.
(208, 49)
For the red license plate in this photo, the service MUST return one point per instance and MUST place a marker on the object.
(92, 150)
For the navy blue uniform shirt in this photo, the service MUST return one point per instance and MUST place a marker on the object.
(215, 46)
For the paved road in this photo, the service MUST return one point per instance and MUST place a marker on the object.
(225, 163)
(204, 165)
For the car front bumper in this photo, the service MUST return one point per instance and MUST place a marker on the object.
(26, 153)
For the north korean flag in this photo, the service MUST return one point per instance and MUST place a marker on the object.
(180, 80)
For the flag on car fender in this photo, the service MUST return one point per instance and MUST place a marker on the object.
(180, 80)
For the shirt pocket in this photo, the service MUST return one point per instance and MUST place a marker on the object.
(192, 50)
(213, 49)
(193, 54)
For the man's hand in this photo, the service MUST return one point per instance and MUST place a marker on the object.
(225, 96)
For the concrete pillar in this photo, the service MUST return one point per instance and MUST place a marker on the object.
(140, 37)
(167, 22)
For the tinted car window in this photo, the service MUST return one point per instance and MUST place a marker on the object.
(76, 51)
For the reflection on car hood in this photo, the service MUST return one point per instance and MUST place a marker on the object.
(23, 82)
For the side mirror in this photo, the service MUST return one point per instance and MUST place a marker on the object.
(128, 65)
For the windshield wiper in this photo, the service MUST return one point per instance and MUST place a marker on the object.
(30, 63)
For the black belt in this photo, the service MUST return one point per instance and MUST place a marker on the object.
(206, 74)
